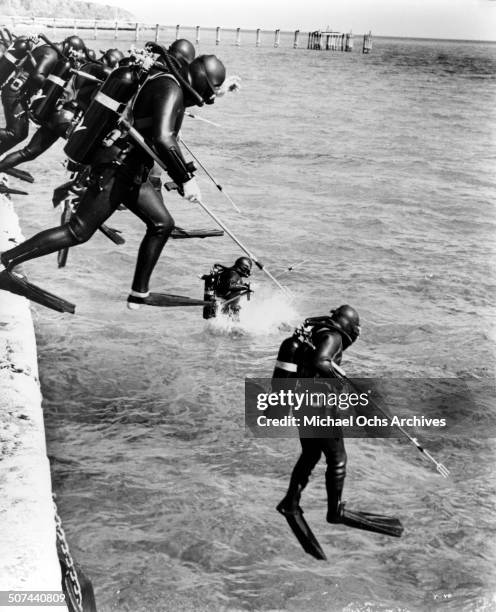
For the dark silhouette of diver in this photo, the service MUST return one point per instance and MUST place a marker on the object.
(314, 356)
(18, 92)
(227, 283)
(119, 176)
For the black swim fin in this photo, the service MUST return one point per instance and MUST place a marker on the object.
(15, 283)
(387, 525)
(165, 300)
(179, 233)
(9, 191)
(112, 234)
(20, 174)
(62, 192)
(302, 531)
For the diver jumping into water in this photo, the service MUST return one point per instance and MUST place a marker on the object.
(58, 109)
(119, 172)
(316, 354)
(28, 76)
(72, 98)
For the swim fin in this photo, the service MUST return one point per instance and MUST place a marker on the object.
(163, 299)
(15, 283)
(112, 234)
(62, 192)
(9, 191)
(20, 174)
(387, 525)
(179, 233)
(302, 531)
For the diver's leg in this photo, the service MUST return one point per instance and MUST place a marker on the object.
(336, 511)
(16, 120)
(93, 210)
(310, 455)
(148, 206)
(42, 140)
(335, 454)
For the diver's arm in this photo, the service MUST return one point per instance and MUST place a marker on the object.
(168, 108)
(44, 66)
(326, 352)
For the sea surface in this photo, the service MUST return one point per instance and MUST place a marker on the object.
(375, 174)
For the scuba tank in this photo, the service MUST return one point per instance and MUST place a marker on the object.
(86, 82)
(294, 350)
(103, 113)
(13, 58)
(288, 357)
(211, 282)
(53, 88)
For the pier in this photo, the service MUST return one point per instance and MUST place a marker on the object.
(138, 31)
(29, 559)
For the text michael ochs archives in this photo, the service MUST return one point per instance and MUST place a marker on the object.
(365, 407)
(301, 402)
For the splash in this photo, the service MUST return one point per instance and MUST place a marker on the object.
(265, 313)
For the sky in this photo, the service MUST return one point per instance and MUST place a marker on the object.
(461, 19)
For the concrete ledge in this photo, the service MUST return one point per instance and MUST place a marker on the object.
(28, 558)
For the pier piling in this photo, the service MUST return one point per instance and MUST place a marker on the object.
(367, 42)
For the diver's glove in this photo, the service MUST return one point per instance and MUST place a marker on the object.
(231, 84)
(191, 190)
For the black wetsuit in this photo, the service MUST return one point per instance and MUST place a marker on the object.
(15, 101)
(318, 363)
(60, 121)
(158, 113)
(229, 285)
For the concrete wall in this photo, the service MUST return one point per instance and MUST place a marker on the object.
(28, 558)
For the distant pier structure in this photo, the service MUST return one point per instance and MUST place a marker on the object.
(138, 31)
(334, 41)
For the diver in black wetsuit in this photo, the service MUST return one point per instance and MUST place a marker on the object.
(330, 336)
(62, 119)
(119, 176)
(230, 284)
(226, 284)
(17, 93)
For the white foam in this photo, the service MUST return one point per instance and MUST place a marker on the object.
(264, 313)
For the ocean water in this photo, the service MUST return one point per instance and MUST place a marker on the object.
(377, 172)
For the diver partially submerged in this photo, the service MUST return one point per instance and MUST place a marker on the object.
(224, 287)
(156, 90)
(315, 351)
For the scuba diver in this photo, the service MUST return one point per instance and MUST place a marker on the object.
(34, 65)
(111, 57)
(160, 92)
(59, 107)
(183, 50)
(227, 284)
(313, 352)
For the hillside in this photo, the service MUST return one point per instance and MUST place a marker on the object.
(58, 8)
